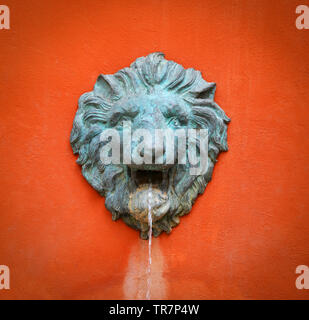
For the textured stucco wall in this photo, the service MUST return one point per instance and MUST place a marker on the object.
(245, 235)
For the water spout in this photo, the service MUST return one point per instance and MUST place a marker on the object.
(149, 242)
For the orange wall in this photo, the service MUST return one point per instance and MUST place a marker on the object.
(245, 235)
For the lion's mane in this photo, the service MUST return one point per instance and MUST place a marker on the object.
(145, 75)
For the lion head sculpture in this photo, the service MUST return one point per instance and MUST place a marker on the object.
(153, 93)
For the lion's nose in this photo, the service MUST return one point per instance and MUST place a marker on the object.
(152, 149)
(150, 152)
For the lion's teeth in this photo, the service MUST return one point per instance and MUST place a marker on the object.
(133, 183)
(165, 179)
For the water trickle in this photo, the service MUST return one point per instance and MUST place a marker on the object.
(149, 242)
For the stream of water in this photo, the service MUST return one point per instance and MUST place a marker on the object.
(149, 243)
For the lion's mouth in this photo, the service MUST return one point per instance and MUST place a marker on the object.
(148, 187)
(156, 178)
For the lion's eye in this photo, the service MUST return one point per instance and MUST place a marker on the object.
(122, 121)
(124, 118)
(174, 122)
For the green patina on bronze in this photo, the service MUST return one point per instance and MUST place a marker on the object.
(152, 93)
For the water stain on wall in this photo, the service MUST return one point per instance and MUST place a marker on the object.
(135, 282)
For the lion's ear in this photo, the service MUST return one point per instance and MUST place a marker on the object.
(208, 91)
(106, 87)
